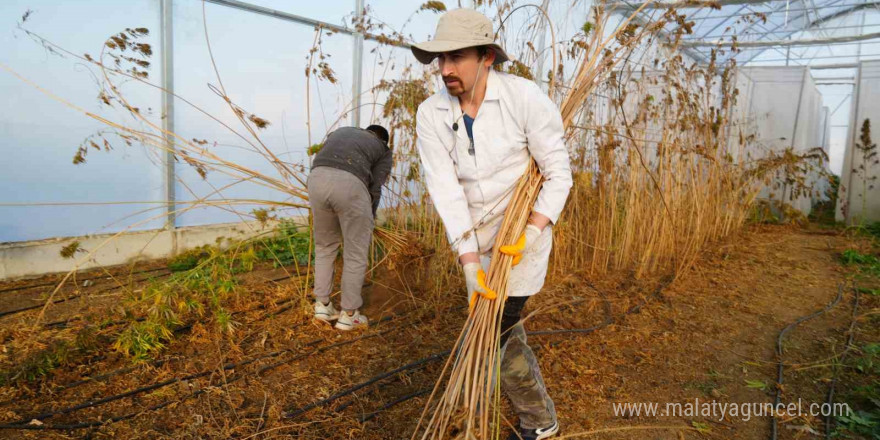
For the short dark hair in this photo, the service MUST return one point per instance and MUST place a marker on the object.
(380, 132)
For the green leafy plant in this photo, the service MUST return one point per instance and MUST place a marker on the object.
(141, 339)
(864, 420)
(187, 295)
(864, 401)
(756, 385)
(869, 362)
(189, 259)
(58, 354)
(867, 264)
(290, 245)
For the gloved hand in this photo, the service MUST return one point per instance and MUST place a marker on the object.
(525, 242)
(475, 279)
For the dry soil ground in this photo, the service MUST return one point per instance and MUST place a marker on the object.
(709, 335)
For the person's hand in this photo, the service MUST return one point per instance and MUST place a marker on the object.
(524, 244)
(475, 279)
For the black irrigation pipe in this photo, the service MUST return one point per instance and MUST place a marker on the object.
(164, 383)
(100, 377)
(63, 323)
(110, 288)
(154, 363)
(194, 394)
(581, 331)
(23, 423)
(849, 340)
(608, 318)
(410, 366)
(160, 362)
(83, 425)
(779, 364)
(370, 416)
(70, 298)
(103, 275)
(319, 350)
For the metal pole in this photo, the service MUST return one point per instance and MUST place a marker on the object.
(167, 54)
(781, 43)
(357, 65)
(787, 54)
(299, 19)
(542, 45)
(834, 66)
(862, 32)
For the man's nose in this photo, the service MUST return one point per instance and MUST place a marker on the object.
(446, 69)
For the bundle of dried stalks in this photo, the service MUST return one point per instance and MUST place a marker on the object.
(469, 408)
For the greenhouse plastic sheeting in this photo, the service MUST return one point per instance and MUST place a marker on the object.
(787, 112)
(857, 201)
(45, 195)
(820, 194)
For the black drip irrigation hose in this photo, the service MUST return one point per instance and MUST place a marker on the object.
(70, 298)
(370, 416)
(410, 366)
(158, 406)
(774, 423)
(104, 275)
(34, 286)
(108, 289)
(158, 362)
(155, 363)
(579, 331)
(83, 425)
(63, 323)
(849, 343)
(25, 423)
(28, 422)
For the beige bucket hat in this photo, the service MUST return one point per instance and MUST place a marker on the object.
(458, 29)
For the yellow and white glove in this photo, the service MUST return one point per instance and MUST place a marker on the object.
(526, 241)
(475, 279)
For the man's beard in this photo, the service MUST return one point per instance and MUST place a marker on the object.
(455, 88)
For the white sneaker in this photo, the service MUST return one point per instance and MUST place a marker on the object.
(325, 313)
(351, 322)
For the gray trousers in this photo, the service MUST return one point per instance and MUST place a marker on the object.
(342, 211)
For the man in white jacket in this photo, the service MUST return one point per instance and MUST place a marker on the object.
(475, 140)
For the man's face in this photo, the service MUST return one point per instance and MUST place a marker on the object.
(459, 69)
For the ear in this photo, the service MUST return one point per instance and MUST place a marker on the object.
(489, 58)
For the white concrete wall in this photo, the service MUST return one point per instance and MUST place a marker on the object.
(39, 257)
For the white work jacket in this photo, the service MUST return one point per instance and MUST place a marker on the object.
(515, 122)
